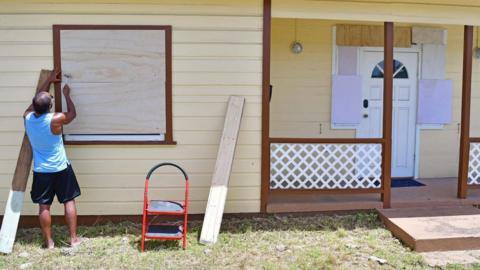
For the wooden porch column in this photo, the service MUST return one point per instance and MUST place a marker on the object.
(465, 121)
(387, 113)
(265, 171)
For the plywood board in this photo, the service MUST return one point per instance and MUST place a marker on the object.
(117, 79)
(221, 173)
(433, 61)
(429, 35)
(347, 60)
(117, 108)
(346, 99)
(435, 101)
(349, 35)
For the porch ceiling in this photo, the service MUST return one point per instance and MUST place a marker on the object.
(468, 3)
(463, 12)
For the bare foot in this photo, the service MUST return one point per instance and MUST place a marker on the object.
(75, 242)
(49, 244)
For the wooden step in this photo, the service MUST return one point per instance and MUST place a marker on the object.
(435, 228)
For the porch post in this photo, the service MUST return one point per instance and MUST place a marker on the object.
(465, 121)
(265, 170)
(387, 114)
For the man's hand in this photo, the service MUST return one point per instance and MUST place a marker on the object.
(45, 87)
(66, 90)
(54, 76)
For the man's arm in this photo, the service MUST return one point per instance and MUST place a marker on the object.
(64, 118)
(28, 110)
(43, 88)
(71, 112)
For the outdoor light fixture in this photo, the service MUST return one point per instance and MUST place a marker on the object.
(296, 46)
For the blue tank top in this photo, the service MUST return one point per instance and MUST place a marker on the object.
(48, 151)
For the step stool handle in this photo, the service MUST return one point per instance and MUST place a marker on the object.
(166, 164)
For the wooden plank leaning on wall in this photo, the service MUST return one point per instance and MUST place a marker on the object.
(222, 171)
(19, 184)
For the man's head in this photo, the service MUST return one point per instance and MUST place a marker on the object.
(42, 102)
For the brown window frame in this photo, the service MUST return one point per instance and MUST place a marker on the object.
(168, 136)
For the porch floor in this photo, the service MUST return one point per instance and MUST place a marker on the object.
(435, 193)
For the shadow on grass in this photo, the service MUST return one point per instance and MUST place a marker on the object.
(159, 245)
(319, 222)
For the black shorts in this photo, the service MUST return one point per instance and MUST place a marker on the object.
(46, 185)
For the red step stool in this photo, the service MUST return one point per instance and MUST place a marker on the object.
(164, 208)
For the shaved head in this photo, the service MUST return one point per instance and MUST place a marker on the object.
(42, 102)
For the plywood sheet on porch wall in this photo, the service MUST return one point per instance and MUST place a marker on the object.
(370, 35)
(117, 80)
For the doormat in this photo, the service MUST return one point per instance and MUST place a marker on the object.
(406, 182)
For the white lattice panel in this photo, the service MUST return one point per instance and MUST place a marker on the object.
(325, 166)
(474, 164)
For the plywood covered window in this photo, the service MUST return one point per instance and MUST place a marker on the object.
(121, 82)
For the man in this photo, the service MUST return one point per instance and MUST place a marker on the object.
(52, 172)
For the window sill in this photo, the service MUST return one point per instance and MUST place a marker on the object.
(159, 139)
(120, 142)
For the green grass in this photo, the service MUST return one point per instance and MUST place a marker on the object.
(270, 242)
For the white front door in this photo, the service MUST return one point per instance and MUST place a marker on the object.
(404, 106)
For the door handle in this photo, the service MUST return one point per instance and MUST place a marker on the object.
(365, 103)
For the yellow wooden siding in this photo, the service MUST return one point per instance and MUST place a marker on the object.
(217, 52)
(301, 99)
(187, 7)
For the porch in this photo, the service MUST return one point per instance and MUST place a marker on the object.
(318, 157)
(435, 193)
(347, 116)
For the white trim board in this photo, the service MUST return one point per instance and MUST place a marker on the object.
(133, 137)
(11, 217)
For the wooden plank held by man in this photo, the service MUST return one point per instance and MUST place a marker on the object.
(221, 173)
(19, 183)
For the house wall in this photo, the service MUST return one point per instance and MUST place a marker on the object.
(217, 52)
(301, 101)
